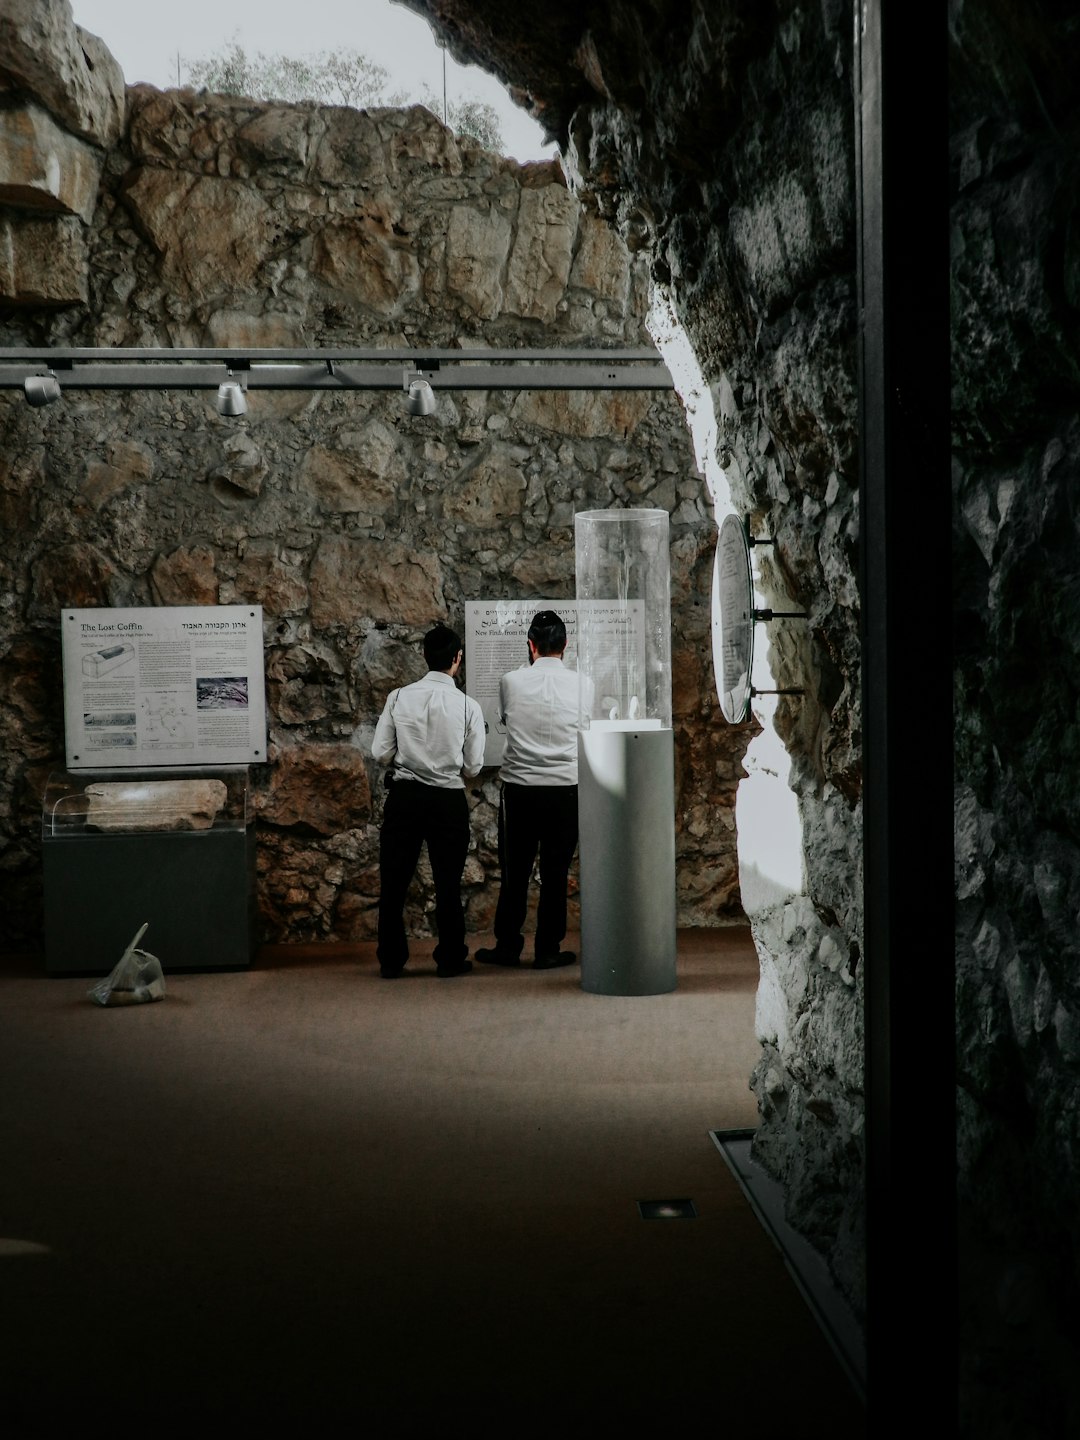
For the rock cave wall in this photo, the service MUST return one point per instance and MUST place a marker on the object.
(1015, 257)
(141, 218)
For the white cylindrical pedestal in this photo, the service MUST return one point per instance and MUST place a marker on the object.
(626, 859)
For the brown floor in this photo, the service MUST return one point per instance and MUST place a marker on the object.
(300, 1193)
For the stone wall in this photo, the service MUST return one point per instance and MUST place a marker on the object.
(143, 218)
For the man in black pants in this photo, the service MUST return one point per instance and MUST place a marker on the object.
(428, 733)
(538, 808)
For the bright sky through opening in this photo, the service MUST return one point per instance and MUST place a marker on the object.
(150, 41)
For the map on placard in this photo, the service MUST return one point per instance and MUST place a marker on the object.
(163, 685)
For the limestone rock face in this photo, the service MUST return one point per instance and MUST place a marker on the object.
(42, 167)
(477, 245)
(128, 464)
(365, 262)
(602, 263)
(324, 787)
(44, 53)
(539, 265)
(491, 491)
(361, 479)
(212, 233)
(61, 107)
(75, 573)
(185, 577)
(585, 413)
(385, 581)
(43, 261)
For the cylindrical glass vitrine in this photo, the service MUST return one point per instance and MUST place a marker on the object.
(624, 618)
(626, 758)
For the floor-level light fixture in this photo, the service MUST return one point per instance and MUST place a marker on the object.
(41, 389)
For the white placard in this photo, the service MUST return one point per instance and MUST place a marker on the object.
(495, 642)
(733, 620)
(165, 685)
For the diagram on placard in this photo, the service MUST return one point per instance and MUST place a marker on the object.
(101, 662)
(165, 717)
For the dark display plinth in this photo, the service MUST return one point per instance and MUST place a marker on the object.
(195, 888)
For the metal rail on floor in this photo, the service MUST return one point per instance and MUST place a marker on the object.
(805, 1266)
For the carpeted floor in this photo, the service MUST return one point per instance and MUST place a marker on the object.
(302, 1195)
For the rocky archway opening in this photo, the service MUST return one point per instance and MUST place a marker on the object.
(710, 162)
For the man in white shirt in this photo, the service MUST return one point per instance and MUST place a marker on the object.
(538, 705)
(428, 734)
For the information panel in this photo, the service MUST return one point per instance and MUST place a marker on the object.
(496, 634)
(165, 685)
(733, 620)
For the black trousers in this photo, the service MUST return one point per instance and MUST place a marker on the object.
(417, 814)
(535, 819)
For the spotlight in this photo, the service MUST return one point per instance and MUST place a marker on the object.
(42, 389)
(231, 399)
(421, 398)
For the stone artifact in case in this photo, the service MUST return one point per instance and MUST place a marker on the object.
(154, 805)
(175, 850)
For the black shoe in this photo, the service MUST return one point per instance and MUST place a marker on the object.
(496, 957)
(391, 972)
(553, 962)
(447, 972)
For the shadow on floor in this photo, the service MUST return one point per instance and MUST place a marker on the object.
(299, 1193)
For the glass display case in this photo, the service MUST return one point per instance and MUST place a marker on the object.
(626, 754)
(623, 566)
(174, 849)
(118, 802)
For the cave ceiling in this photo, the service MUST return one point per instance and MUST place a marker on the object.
(638, 56)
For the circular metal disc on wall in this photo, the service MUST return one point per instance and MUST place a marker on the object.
(733, 620)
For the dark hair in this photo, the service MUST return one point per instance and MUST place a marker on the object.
(441, 647)
(548, 633)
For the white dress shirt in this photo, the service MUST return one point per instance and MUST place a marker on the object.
(431, 731)
(539, 707)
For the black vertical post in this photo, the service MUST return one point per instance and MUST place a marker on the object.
(901, 125)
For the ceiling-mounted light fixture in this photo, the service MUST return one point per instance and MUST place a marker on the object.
(420, 399)
(41, 389)
(231, 399)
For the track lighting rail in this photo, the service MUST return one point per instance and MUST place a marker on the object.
(332, 370)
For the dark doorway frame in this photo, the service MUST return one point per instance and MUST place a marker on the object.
(901, 130)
